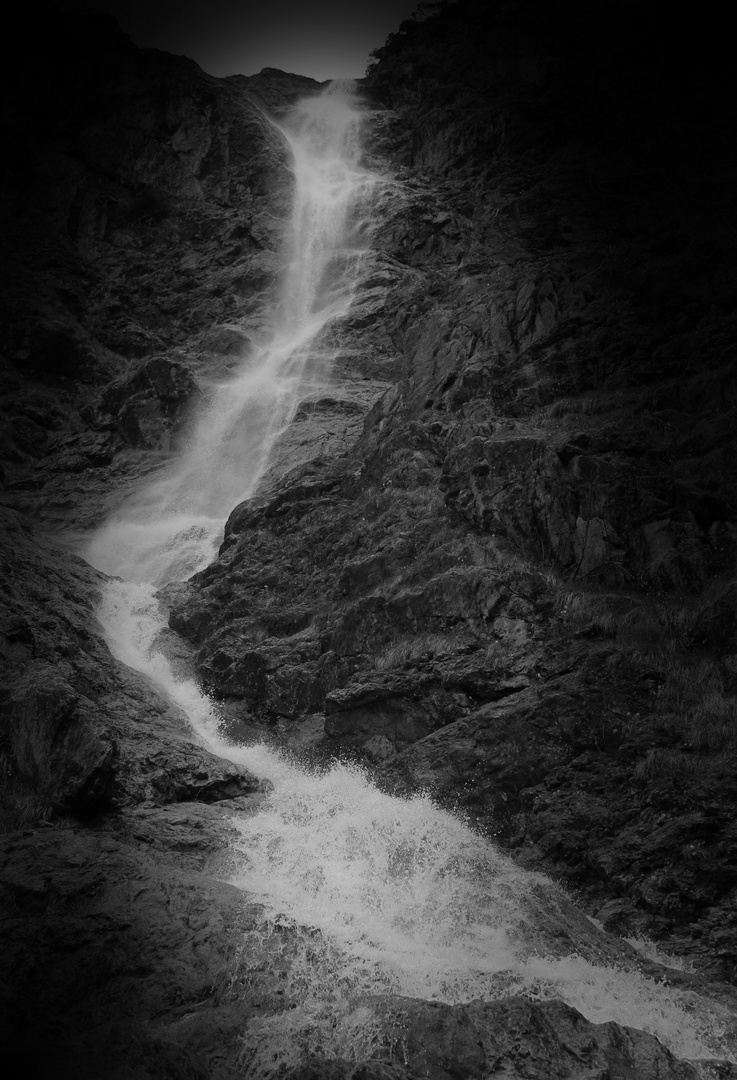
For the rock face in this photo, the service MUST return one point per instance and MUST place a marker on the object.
(520, 1037)
(495, 559)
(143, 216)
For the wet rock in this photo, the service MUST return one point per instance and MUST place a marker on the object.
(184, 776)
(81, 731)
(524, 1039)
(145, 203)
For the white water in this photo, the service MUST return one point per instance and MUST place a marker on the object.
(408, 900)
(171, 527)
(372, 893)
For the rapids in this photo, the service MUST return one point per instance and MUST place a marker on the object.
(375, 893)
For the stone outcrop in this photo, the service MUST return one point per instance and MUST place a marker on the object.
(522, 1038)
(115, 944)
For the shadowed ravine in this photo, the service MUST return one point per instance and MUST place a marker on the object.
(378, 895)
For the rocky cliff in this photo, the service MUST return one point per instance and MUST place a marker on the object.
(496, 561)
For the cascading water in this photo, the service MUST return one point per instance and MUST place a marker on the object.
(377, 894)
(170, 528)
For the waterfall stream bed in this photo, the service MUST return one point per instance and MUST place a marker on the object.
(375, 895)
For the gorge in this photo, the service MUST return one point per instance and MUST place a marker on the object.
(416, 451)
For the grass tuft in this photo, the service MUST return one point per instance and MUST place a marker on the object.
(695, 693)
(665, 763)
(407, 652)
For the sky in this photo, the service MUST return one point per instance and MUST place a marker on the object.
(324, 39)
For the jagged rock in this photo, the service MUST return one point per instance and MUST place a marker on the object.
(514, 487)
(79, 730)
(58, 752)
(716, 619)
(525, 1039)
(145, 406)
(156, 209)
(518, 1038)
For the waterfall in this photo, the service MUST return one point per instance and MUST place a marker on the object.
(377, 894)
(170, 528)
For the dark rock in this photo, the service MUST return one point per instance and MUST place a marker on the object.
(514, 487)
(57, 750)
(80, 731)
(525, 1039)
(145, 406)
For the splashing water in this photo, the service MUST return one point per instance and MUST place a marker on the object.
(406, 899)
(372, 893)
